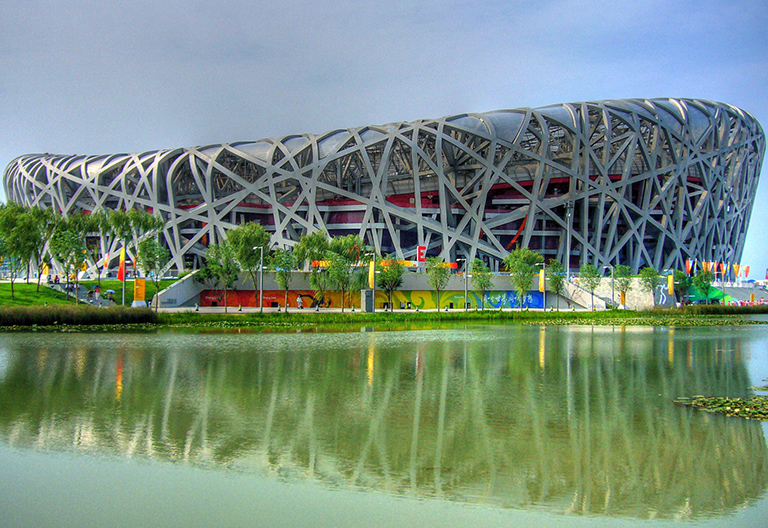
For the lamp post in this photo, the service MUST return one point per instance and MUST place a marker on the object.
(544, 289)
(261, 277)
(613, 301)
(568, 210)
(466, 271)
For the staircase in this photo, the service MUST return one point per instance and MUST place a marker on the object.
(576, 294)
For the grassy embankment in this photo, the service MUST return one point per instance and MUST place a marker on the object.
(27, 294)
(52, 309)
(691, 316)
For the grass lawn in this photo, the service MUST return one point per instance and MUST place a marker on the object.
(27, 295)
(114, 284)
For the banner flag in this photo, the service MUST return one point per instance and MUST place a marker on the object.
(736, 270)
(671, 283)
(746, 272)
(105, 263)
(541, 281)
(722, 268)
(372, 275)
(121, 267)
(688, 266)
(139, 290)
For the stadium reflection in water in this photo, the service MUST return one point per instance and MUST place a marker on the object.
(569, 419)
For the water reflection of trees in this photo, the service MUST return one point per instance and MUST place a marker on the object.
(576, 420)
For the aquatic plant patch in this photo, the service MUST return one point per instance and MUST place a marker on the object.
(755, 408)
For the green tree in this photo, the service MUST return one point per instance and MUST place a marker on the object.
(702, 281)
(339, 274)
(481, 280)
(521, 265)
(437, 276)
(133, 225)
(248, 241)
(96, 227)
(312, 247)
(153, 256)
(649, 279)
(343, 255)
(46, 222)
(68, 247)
(18, 229)
(622, 276)
(556, 278)
(390, 275)
(283, 262)
(682, 284)
(220, 268)
(590, 279)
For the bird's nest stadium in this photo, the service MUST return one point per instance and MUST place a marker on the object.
(636, 182)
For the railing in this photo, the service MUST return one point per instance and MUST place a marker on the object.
(579, 295)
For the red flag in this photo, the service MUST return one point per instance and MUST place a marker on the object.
(688, 266)
(746, 272)
(121, 268)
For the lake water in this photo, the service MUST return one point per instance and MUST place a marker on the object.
(465, 425)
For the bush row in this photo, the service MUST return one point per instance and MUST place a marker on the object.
(60, 314)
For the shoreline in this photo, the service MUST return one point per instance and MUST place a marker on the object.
(89, 319)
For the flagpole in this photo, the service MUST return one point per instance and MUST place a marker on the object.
(121, 271)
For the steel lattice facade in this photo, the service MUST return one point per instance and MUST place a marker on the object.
(636, 182)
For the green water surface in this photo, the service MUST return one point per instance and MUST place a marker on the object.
(467, 425)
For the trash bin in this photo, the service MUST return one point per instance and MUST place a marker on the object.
(366, 301)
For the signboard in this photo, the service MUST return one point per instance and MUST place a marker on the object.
(139, 287)
(421, 253)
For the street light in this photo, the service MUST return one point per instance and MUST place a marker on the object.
(466, 271)
(568, 211)
(613, 300)
(544, 289)
(261, 277)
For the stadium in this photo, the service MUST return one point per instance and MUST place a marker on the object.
(636, 182)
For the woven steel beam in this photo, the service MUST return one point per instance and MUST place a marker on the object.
(648, 182)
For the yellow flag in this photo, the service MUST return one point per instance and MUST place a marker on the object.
(671, 283)
(542, 283)
(139, 289)
(371, 275)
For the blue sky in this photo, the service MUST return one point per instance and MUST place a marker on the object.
(90, 77)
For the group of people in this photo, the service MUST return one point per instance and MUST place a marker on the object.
(94, 295)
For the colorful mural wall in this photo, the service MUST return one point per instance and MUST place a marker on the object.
(421, 299)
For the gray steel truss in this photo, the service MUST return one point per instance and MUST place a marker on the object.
(636, 182)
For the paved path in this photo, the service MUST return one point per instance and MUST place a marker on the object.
(234, 310)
